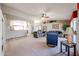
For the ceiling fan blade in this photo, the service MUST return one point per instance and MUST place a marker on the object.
(43, 15)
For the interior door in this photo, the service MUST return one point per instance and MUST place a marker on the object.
(78, 28)
(0, 34)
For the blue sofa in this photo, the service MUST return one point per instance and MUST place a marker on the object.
(52, 38)
(39, 34)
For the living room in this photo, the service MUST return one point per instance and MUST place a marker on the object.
(39, 29)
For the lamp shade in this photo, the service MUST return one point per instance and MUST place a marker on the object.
(69, 31)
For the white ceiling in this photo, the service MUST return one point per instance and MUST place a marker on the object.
(56, 11)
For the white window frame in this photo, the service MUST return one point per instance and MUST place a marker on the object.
(13, 26)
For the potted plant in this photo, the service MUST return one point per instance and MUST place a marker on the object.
(65, 26)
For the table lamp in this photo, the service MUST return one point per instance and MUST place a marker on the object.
(70, 33)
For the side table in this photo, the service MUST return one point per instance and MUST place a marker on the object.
(68, 46)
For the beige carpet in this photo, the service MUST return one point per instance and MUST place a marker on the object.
(29, 46)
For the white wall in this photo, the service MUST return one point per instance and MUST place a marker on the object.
(12, 34)
(49, 26)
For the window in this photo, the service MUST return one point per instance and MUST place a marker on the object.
(18, 25)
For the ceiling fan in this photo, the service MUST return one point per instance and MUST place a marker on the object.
(44, 15)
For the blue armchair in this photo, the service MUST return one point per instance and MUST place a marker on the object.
(52, 38)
